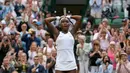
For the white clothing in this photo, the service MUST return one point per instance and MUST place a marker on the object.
(94, 69)
(83, 66)
(42, 32)
(65, 59)
(104, 44)
(83, 57)
(96, 35)
(31, 57)
(49, 50)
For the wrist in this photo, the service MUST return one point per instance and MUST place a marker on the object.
(57, 17)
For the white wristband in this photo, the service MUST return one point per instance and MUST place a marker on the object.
(68, 16)
(58, 17)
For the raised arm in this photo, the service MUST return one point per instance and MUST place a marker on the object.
(51, 27)
(77, 24)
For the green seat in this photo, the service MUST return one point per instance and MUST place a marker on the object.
(117, 22)
(121, 14)
(98, 21)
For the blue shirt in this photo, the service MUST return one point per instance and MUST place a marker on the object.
(108, 70)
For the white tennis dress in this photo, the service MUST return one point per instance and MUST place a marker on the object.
(65, 59)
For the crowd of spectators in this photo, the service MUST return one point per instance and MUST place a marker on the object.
(27, 46)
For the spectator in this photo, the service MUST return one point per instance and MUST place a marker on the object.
(36, 67)
(82, 52)
(5, 68)
(94, 55)
(5, 46)
(123, 64)
(32, 53)
(96, 8)
(106, 66)
(29, 38)
(19, 8)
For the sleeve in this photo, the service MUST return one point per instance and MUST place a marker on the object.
(29, 69)
(91, 2)
(100, 69)
(110, 69)
(99, 2)
(77, 50)
(98, 61)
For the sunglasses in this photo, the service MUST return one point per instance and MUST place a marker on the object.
(96, 44)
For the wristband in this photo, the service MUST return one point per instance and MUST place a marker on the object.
(58, 17)
(68, 16)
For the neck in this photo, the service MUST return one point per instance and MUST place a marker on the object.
(50, 46)
(65, 31)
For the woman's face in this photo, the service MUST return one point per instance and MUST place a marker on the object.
(80, 40)
(24, 27)
(103, 34)
(65, 24)
(105, 59)
(50, 42)
(96, 46)
(88, 25)
(104, 53)
(112, 45)
(124, 58)
(33, 46)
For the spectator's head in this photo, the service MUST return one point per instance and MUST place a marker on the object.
(48, 14)
(123, 56)
(24, 27)
(105, 22)
(32, 32)
(89, 25)
(7, 2)
(106, 59)
(33, 46)
(20, 53)
(124, 22)
(47, 35)
(54, 53)
(104, 53)
(103, 33)
(39, 25)
(5, 40)
(81, 38)
(34, 21)
(14, 72)
(112, 44)
(36, 60)
(50, 42)
(23, 57)
(6, 62)
(96, 45)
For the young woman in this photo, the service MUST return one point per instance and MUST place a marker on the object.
(65, 61)
(106, 66)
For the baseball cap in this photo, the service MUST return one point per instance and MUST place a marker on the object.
(112, 42)
(38, 23)
(3, 22)
(34, 20)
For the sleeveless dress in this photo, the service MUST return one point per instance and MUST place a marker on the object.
(65, 59)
